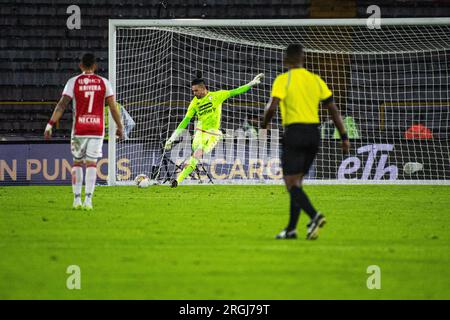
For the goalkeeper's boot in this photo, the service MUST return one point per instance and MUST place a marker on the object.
(285, 234)
(87, 205)
(77, 205)
(314, 226)
(174, 183)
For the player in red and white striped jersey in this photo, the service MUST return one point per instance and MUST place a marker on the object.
(88, 93)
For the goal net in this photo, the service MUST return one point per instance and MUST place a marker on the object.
(392, 86)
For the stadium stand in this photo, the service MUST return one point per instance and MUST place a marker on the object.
(38, 53)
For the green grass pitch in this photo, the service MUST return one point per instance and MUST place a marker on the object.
(216, 242)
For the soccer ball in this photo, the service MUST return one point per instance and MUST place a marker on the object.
(412, 167)
(142, 180)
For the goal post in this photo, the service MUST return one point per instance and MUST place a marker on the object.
(392, 85)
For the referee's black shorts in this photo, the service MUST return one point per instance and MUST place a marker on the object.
(300, 145)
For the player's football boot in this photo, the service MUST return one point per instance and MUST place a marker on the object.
(87, 205)
(285, 234)
(77, 205)
(174, 183)
(314, 225)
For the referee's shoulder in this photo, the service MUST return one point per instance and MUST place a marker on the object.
(311, 73)
(281, 76)
(316, 77)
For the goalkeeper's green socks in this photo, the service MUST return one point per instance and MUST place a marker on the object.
(188, 169)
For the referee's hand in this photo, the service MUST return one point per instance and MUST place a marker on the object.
(345, 146)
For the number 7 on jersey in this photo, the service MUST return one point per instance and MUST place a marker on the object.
(90, 95)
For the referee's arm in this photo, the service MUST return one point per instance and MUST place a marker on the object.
(270, 110)
(333, 111)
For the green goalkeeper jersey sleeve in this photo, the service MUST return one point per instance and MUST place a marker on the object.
(187, 118)
(240, 90)
(209, 109)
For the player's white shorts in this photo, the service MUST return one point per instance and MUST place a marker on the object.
(86, 148)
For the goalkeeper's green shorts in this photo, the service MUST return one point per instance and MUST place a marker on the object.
(205, 140)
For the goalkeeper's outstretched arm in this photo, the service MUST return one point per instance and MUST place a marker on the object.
(246, 87)
(190, 113)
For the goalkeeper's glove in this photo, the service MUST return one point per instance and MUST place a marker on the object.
(256, 80)
(48, 130)
(168, 144)
(172, 139)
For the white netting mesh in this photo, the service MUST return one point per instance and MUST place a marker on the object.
(392, 86)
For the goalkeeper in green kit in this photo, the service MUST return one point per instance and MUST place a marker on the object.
(207, 106)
